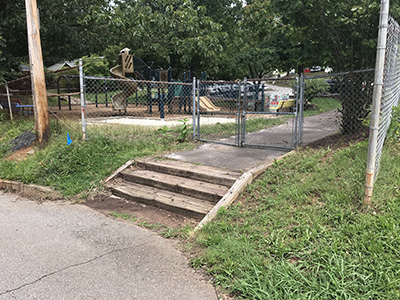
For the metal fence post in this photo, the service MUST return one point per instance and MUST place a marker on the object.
(9, 102)
(301, 109)
(242, 118)
(376, 101)
(198, 111)
(194, 108)
(296, 116)
(83, 103)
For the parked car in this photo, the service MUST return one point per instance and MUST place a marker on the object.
(316, 69)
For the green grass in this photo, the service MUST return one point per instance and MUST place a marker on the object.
(122, 216)
(225, 130)
(81, 166)
(323, 105)
(301, 232)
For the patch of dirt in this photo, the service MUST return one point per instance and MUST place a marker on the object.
(339, 140)
(143, 213)
(20, 154)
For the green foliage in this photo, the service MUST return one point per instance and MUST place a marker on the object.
(123, 216)
(320, 105)
(393, 134)
(94, 65)
(168, 32)
(68, 31)
(165, 134)
(301, 232)
(183, 131)
(314, 88)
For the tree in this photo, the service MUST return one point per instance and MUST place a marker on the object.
(68, 30)
(168, 33)
(338, 33)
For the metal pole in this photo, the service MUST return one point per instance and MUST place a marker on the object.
(198, 111)
(243, 115)
(239, 98)
(9, 102)
(376, 101)
(296, 122)
(83, 104)
(301, 109)
(194, 109)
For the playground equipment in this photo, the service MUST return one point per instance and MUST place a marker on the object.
(207, 105)
(128, 87)
(279, 102)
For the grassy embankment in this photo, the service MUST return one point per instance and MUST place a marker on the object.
(301, 231)
(80, 166)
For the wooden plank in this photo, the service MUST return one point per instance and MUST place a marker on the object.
(185, 186)
(62, 95)
(162, 199)
(196, 172)
(119, 170)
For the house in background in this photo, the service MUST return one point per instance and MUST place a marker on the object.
(63, 64)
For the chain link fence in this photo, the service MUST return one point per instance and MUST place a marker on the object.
(391, 86)
(217, 111)
(62, 94)
(337, 104)
(240, 112)
(136, 102)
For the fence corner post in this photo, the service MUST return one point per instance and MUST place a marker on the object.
(194, 108)
(83, 105)
(376, 102)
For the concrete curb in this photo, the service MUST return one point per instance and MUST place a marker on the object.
(28, 189)
(238, 187)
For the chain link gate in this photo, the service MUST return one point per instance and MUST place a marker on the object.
(257, 113)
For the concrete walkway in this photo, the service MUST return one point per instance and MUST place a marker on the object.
(57, 250)
(242, 159)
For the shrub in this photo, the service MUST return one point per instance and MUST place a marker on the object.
(314, 88)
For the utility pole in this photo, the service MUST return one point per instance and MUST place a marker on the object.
(42, 127)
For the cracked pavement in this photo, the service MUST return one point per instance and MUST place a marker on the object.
(56, 250)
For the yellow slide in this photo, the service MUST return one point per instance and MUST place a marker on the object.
(207, 105)
(128, 89)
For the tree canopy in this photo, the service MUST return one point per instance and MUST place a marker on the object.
(228, 38)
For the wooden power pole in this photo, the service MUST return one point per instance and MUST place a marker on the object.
(42, 127)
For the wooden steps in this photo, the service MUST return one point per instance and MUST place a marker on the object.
(175, 186)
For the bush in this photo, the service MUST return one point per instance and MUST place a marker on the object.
(94, 65)
(314, 88)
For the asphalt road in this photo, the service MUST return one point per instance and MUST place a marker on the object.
(56, 250)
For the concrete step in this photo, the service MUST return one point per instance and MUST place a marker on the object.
(177, 203)
(180, 185)
(195, 172)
